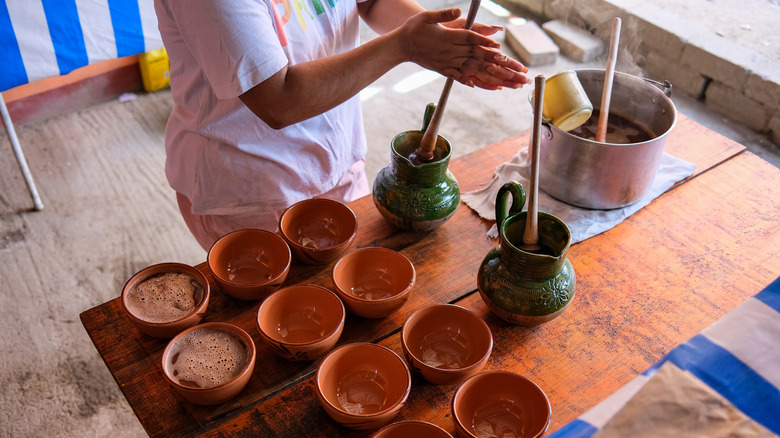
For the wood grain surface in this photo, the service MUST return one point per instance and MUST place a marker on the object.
(643, 287)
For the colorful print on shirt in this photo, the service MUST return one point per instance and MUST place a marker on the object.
(301, 7)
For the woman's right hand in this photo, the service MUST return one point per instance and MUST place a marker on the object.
(464, 55)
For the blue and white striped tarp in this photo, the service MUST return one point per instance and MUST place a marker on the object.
(43, 38)
(738, 357)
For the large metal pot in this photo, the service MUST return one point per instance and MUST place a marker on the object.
(597, 175)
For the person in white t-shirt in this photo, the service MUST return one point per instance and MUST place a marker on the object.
(265, 97)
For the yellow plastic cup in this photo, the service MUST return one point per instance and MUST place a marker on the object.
(565, 103)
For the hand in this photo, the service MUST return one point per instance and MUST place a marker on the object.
(436, 40)
(502, 72)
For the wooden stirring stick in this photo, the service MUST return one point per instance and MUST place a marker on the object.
(531, 232)
(424, 152)
(606, 96)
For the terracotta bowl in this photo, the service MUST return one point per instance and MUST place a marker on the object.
(164, 299)
(362, 385)
(373, 282)
(250, 264)
(411, 429)
(209, 363)
(318, 230)
(501, 403)
(446, 343)
(301, 322)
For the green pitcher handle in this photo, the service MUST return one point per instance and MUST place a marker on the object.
(429, 110)
(517, 191)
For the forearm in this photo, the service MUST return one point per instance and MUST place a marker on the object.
(305, 90)
(383, 16)
(302, 91)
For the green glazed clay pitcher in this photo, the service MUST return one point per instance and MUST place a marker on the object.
(521, 287)
(416, 197)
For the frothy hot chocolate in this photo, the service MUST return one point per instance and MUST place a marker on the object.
(206, 357)
(164, 297)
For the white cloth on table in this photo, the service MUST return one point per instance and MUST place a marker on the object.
(582, 222)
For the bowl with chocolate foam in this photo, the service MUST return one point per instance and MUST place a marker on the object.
(250, 264)
(209, 363)
(163, 299)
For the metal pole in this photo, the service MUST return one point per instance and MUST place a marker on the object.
(9, 127)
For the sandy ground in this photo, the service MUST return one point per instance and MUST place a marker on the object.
(109, 212)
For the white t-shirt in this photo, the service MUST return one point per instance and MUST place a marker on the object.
(220, 155)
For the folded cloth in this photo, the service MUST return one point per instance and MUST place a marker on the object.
(737, 357)
(675, 403)
(582, 222)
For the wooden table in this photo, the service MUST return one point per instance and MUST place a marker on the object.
(643, 287)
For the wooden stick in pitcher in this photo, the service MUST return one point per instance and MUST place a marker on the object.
(531, 231)
(424, 152)
(606, 96)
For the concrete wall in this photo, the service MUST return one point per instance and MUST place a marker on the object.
(736, 81)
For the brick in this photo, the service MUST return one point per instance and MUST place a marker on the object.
(532, 46)
(573, 42)
(536, 7)
(583, 14)
(774, 129)
(665, 32)
(763, 83)
(683, 78)
(719, 58)
(736, 106)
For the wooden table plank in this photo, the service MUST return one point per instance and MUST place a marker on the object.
(644, 287)
(446, 261)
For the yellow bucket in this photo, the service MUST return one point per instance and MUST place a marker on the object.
(155, 70)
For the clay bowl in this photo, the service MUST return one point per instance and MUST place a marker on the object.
(164, 299)
(446, 343)
(301, 322)
(362, 385)
(209, 363)
(318, 230)
(373, 282)
(250, 264)
(501, 402)
(411, 429)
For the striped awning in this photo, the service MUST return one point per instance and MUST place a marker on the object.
(43, 38)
